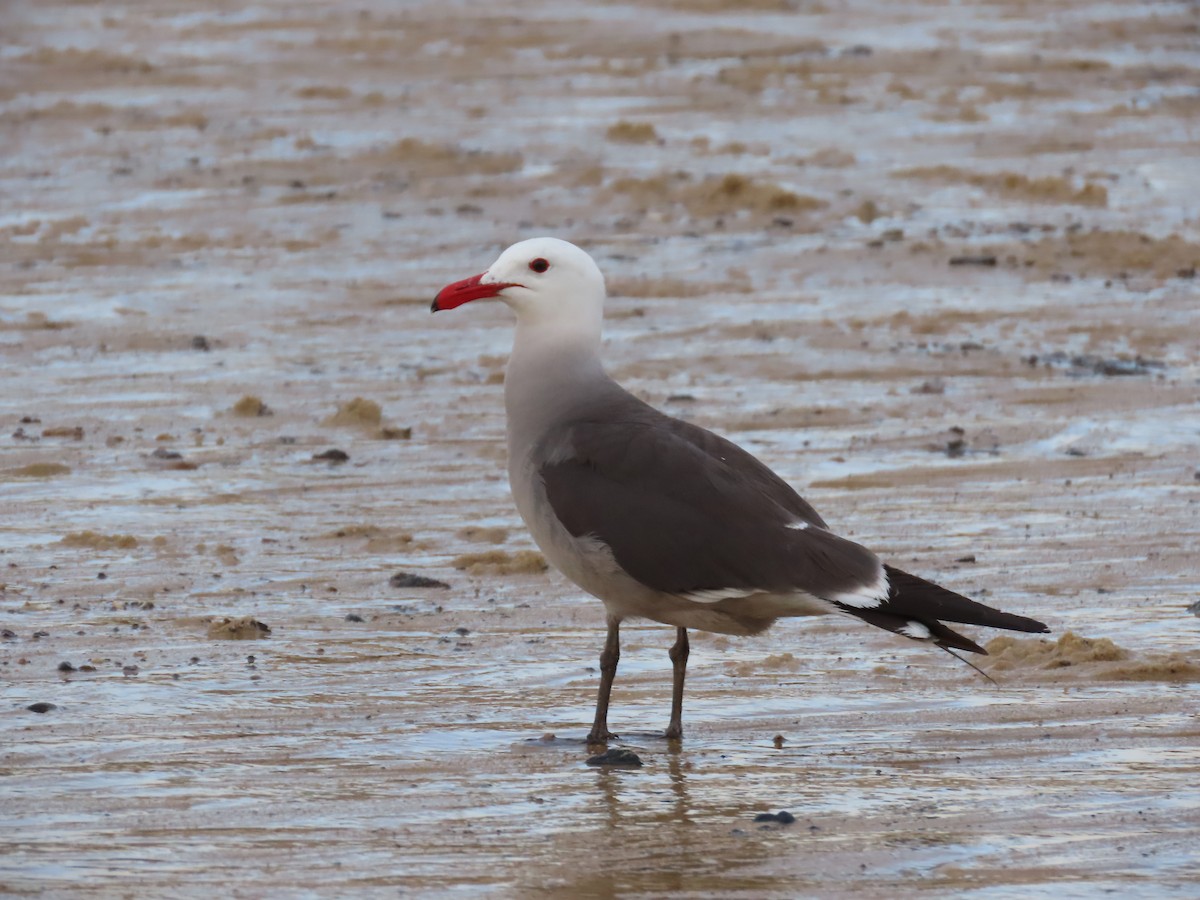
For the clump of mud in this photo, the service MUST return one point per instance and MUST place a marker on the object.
(1109, 253)
(250, 406)
(358, 413)
(388, 542)
(1073, 657)
(379, 540)
(37, 321)
(481, 534)
(355, 531)
(38, 470)
(1050, 189)
(96, 541)
(223, 552)
(71, 432)
(644, 288)
(716, 196)
(775, 662)
(366, 415)
(447, 159)
(243, 628)
(499, 562)
(624, 132)
(323, 92)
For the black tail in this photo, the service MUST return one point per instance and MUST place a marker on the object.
(938, 633)
(920, 599)
(915, 606)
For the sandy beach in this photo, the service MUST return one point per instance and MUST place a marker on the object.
(934, 263)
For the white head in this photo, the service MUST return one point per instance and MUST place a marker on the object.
(547, 283)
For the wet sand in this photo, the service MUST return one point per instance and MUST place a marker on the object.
(935, 264)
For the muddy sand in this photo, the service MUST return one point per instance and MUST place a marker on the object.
(934, 263)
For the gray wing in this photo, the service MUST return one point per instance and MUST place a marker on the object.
(748, 467)
(688, 513)
(685, 511)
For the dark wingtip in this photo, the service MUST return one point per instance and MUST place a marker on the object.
(433, 307)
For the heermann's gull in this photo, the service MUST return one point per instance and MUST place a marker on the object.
(660, 518)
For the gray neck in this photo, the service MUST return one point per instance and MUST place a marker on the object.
(553, 374)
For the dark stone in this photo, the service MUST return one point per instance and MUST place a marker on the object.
(335, 456)
(973, 260)
(354, 617)
(409, 580)
(41, 707)
(164, 453)
(65, 666)
(618, 757)
(200, 342)
(783, 817)
(1116, 367)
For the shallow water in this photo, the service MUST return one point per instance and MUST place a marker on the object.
(175, 171)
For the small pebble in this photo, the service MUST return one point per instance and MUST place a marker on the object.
(65, 666)
(409, 580)
(334, 456)
(354, 617)
(41, 707)
(783, 817)
(618, 757)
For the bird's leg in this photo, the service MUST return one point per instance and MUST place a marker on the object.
(679, 658)
(608, 670)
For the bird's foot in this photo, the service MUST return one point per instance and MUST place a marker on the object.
(601, 736)
(674, 732)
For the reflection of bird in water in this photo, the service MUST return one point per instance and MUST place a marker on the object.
(660, 518)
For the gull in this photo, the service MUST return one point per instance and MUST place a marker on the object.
(659, 518)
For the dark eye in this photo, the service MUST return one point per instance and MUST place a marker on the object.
(539, 265)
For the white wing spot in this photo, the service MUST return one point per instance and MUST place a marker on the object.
(915, 630)
(718, 594)
(799, 525)
(867, 596)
